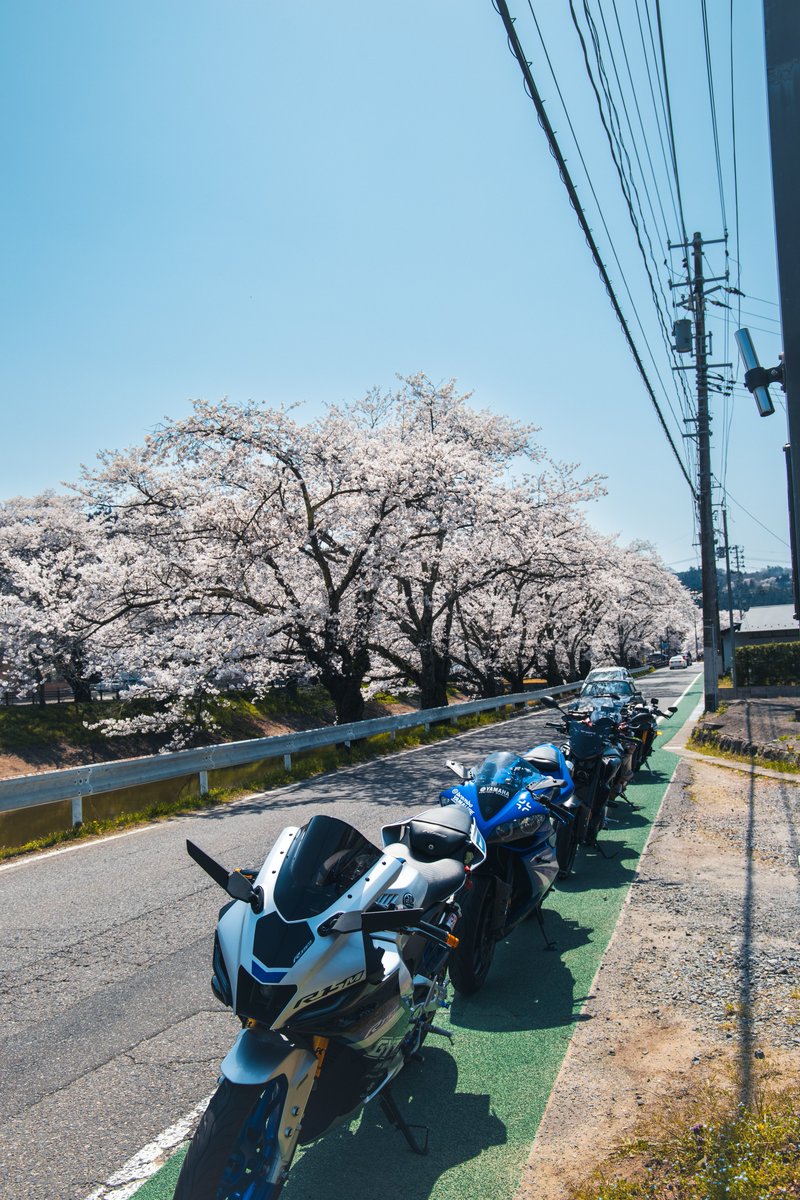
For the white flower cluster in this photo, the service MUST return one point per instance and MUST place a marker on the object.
(405, 537)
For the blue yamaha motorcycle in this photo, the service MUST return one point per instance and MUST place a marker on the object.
(519, 803)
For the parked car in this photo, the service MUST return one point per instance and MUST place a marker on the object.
(620, 689)
(678, 662)
(601, 674)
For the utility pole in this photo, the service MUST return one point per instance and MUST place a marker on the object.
(708, 564)
(730, 593)
(782, 43)
(787, 450)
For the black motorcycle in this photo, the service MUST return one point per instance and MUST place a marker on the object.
(598, 754)
(642, 721)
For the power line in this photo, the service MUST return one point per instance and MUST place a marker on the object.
(670, 183)
(601, 214)
(645, 139)
(713, 106)
(735, 175)
(619, 156)
(766, 529)
(516, 49)
(670, 126)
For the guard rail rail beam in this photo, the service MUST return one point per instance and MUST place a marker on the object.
(73, 783)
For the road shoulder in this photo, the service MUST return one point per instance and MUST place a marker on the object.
(700, 979)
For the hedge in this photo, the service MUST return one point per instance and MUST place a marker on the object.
(764, 666)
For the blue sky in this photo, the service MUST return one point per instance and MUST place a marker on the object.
(296, 202)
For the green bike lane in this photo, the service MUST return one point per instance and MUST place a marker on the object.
(483, 1095)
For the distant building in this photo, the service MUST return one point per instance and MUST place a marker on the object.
(768, 623)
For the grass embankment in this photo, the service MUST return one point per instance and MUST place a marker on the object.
(709, 1146)
(304, 766)
(58, 732)
(789, 767)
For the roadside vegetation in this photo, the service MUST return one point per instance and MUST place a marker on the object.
(709, 1146)
(70, 731)
(789, 766)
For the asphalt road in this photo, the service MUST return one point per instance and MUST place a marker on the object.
(109, 1028)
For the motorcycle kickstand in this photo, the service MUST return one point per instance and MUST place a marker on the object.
(445, 1033)
(548, 945)
(395, 1117)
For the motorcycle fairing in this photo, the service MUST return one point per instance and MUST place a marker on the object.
(336, 961)
(521, 803)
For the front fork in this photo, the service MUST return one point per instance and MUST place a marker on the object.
(259, 1056)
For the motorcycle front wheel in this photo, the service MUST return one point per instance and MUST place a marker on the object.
(235, 1149)
(472, 957)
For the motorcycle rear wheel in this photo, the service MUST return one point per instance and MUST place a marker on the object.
(235, 1145)
(470, 961)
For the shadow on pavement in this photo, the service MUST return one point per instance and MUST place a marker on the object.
(374, 1160)
(529, 987)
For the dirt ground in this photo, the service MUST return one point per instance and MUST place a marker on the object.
(701, 979)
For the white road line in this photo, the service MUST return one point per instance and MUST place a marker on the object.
(82, 845)
(137, 1170)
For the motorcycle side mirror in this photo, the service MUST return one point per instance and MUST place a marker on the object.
(673, 708)
(548, 701)
(234, 883)
(654, 702)
(378, 921)
(457, 769)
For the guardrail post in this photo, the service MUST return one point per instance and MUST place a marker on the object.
(287, 762)
(203, 777)
(427, 726)
(77, 810)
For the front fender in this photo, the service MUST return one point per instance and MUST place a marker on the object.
(257, 1056)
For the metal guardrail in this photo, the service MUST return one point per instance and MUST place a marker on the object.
(73, 783)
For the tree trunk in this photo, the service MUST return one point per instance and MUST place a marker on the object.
(434, 674)
(348, 699)
(552, 671)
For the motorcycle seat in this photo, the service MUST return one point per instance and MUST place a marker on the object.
(436, 843)
(547, 759)
(442, 878)
(440, 833)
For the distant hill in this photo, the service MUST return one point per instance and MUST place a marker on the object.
(771, 585)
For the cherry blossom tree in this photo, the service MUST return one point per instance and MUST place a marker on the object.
(287, 527)
(485, 515)
(50, 561)
(643, 598)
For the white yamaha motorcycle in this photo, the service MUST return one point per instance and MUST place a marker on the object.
(334, 956)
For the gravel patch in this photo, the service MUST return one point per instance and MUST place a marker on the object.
(702, 976)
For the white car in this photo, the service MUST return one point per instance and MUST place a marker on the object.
(678, 662)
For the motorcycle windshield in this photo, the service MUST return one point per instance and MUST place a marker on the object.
(325, 859)
(501, 776)
(618, 688)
